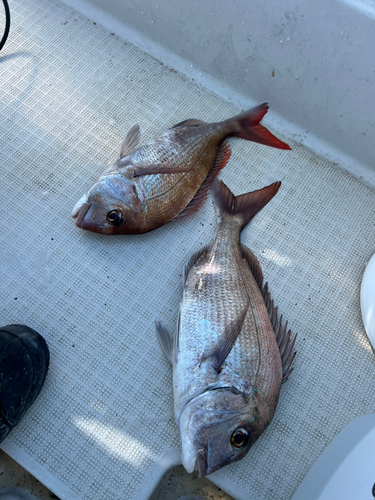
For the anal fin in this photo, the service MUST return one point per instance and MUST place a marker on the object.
(201, 195)
(167, 341)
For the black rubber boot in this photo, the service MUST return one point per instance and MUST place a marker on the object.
(24, 359)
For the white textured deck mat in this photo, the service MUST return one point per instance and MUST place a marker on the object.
(69, 91)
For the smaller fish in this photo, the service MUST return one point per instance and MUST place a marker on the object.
(167, 178)
(231, 352)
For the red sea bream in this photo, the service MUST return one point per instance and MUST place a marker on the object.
(167, 178)
(231, 351)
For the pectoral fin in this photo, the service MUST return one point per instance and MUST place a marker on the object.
(220, 353)
(131, 141)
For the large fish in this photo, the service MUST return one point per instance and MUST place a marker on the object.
(231, 352)
(167, 178)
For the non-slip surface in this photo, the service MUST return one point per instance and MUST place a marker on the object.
(13, 477)
(69, 91)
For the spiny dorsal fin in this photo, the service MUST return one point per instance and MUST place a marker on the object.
(227, 340)
(131, 141)
(283, 339)
(285, 343)
(191, 122)
(201, 195)
(193, 259)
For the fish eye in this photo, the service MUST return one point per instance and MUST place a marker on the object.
(239, 438)
(114, 217)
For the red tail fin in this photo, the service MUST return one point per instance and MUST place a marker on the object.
(247, 205)
(250, 129)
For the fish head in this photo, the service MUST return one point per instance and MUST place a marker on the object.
(108, 207)
(219, 427)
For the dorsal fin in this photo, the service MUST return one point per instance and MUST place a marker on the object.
(193, 259)
(131, 141)
(201, 195)
(283, 339)
(191, 122)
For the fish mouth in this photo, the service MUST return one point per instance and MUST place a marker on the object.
(81, 215)
(196, 461)
(201, 463)
(78, 205)
(223, 463)
(86, 219)
(89, 217)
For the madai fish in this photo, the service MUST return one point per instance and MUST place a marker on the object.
(231, 351)
(167, 178)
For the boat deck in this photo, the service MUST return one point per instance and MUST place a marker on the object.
(103, 425)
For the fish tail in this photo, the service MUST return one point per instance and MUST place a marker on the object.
(247, 126)
(246, 205)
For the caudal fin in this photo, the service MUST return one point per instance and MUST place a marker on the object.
(248, 127)
(246, 205)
